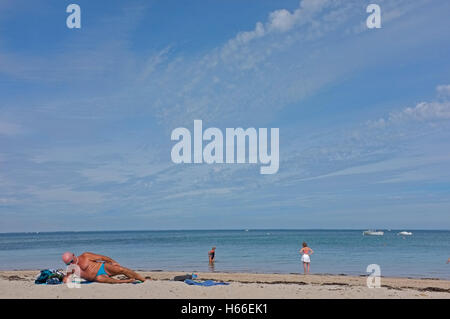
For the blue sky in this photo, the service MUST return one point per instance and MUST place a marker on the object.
(86, 115)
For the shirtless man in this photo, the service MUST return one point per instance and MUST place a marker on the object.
(99, 268)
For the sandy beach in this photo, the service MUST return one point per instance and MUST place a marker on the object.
(20, 284)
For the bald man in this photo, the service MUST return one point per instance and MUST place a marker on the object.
(99, 268)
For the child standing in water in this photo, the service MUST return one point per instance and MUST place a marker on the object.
(306, 251)
(212, 255)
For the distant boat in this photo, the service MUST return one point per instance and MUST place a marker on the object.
(405, 233)
(373, 233)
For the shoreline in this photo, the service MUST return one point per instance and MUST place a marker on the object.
(20, 284)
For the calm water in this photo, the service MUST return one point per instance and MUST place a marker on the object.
(336, 251)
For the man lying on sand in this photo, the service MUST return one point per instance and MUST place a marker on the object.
(98, 268)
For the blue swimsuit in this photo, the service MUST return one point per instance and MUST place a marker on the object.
(101, 271)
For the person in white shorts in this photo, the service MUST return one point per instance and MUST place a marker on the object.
(307, 252)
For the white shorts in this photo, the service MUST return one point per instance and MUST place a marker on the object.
(305, 258)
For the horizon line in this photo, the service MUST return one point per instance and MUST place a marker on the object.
(223, 229)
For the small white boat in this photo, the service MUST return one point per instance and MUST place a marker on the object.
(373, 233)
(405, 233)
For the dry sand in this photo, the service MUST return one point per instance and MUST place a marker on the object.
(20, 284)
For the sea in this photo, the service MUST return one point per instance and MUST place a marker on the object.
(349, 252)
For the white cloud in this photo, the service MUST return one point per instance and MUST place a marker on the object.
(443, 90)
(423, 111)
(281, 20)
(246, 36)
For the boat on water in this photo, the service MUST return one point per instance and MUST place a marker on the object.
(373, 233)
(405, 233)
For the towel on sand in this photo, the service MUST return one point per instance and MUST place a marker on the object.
(206, 283)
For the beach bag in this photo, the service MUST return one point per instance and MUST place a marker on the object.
(49, 276)
(43, 276)
(53, 281)
(184, 277)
